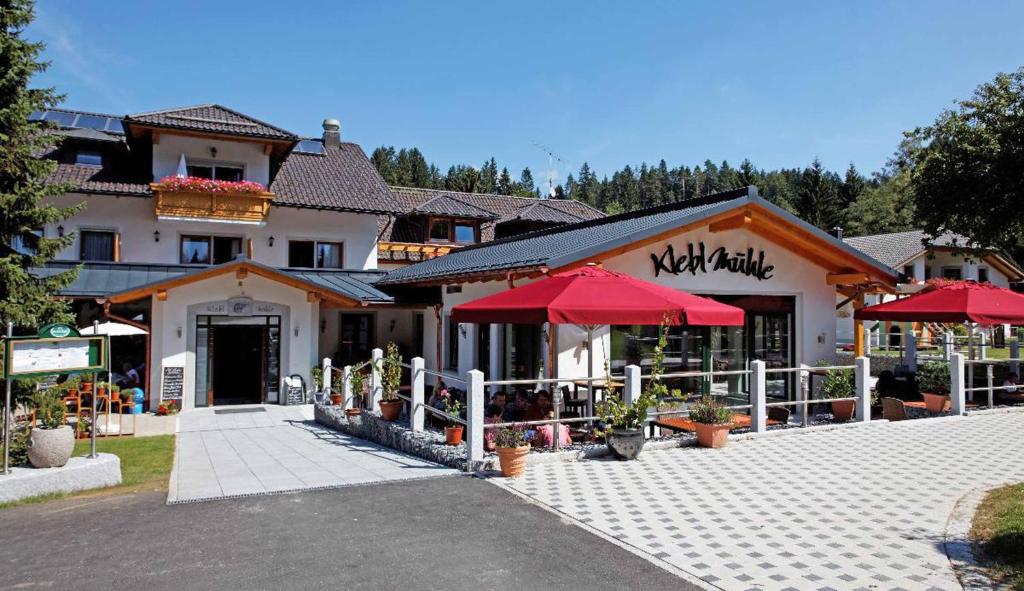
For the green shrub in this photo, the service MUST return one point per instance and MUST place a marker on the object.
(839, 383)
(933, 377)
(709, 411)
(50, 409)
(510, 437)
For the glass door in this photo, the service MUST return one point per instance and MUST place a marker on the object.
(771, 342)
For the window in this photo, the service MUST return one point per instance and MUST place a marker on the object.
(465, 233)
(452, 362)
(982, 275)
(203, 250)
(96, 245)
(220, 172)
(927, 273)
(440, 231)
(89, 158)
(908, 272)
(20, 244)
(311, 254)
(951, 273)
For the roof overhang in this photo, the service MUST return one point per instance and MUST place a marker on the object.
(241, 268)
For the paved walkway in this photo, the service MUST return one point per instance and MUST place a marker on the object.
(848, 509)
(250, 450)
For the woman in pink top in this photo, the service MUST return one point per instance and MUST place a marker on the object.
(544, 434)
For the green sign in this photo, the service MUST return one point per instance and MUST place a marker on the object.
(59, 349)
(58, 331)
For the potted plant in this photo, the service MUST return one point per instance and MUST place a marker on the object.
(512, 448)
(712, 422)
(317, 373)
(167, 407)
(357, 382)
(839, 383)
(452, 406)
(51, 441)
(390, 378)
(933, 383)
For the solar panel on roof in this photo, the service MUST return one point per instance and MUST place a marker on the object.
(310, 147)
(91, 122)
(114, 125)
(60, 118)
(36, 115)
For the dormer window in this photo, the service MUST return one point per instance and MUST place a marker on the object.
(87, 157)
(219, 172)
(452, 230)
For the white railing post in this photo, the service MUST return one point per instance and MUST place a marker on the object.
(416, 376)
(376, 389)
(956, 387)
(758, 397)
(862, 386)
(983, 345)
(989, 377)
(631, 391)
(325, 372)
(867, 340)
(948, 345)
(910, 352)
(347, 395)
(1015, 357)
(475, 400)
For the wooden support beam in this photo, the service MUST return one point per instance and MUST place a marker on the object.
(312, 296)
(241, 273)
(249, 249)
(161, 295)
(858, 327)
(846, 278)
(738, 222)
(267, 149)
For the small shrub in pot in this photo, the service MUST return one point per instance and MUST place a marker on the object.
(840, 383)
(933, 382)
(512, 447)
(51, 441)
(712, 421)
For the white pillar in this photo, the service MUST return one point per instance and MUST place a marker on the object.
(416, 365)
(346, 387)
(632, 389)
(475, 400)
(758, 397)
(496, 346)
(325, 387)
(982, 344)
(948, 345)
(957, 398)
(1015, 356)
(910, 358)
(376, 388)
(862, 387)
(867, 339)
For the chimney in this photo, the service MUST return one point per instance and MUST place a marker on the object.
(838, 232)
(332, 133)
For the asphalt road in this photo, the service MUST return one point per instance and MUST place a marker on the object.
(444, 533)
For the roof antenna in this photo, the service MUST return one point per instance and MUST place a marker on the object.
(551, 167)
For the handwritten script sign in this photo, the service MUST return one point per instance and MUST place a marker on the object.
(173, 383)
(697, 259)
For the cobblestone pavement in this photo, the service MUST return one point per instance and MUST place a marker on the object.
(845, 509)
(251, 450)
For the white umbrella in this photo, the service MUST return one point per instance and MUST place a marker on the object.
(114, 329)
(182, 171)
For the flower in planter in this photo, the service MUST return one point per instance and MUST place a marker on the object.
(201, 185)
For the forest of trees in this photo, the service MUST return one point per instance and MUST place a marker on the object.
(859, 204)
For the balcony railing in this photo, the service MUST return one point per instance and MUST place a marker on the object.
(241, 207)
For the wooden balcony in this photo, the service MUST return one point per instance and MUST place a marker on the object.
(247, 208)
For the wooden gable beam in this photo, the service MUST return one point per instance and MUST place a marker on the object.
(742, 221)
(847, 278)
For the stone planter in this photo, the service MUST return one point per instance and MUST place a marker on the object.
(713, 435)
(935, 403)
(390, 410)
(513, 460)
(626, 444)
(50, 448)
(842, 410)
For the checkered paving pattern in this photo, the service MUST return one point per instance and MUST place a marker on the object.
(847, 509)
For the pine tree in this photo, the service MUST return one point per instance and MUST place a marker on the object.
(850, 190)
(526, 187)
(420, 172)
(383, 159)
(505, 184)
(817, 201)
(489, 176)
(25, 299)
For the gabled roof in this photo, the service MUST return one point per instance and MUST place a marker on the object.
(101, 181)
(899, 248)
(543, 211)
(574, 244)
(211, 118)
(130, 281)
(448, 205)
(341, 178)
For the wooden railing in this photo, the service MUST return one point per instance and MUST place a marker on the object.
(239, 207)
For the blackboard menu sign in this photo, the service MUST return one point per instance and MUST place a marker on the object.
(294, 391)
(173, 383)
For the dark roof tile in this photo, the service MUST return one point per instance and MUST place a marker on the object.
(211, 119)
(342, 178)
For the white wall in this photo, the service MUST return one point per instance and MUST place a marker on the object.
(135, 220)
(169, 349)
(168, 152)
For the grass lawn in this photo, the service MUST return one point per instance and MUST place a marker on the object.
(999, 528)
(145, 466)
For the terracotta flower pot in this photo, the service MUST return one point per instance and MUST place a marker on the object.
(513, 460)
(351, 412)
(842, 410)
(935, 402)
(336, 399)
(626, 444)
(713, 435)
(453, 435)
(390, 410)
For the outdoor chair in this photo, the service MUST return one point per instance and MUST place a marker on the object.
(894, 409)
(571, 403)
(778, 413)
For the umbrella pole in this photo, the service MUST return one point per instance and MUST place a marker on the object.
(590, 371)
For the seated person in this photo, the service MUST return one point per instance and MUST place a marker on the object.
(545, 438)
(1011, 384)
(541, 406)
(492, 416)
(500, 399)
(129, 376)
(516, 410)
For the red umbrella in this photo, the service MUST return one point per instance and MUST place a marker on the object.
(593, 296)
(952, 301)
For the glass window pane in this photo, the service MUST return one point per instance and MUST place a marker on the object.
(227, 173)
(96, 246)
(200, 171)
(328, 255)
(89, 158)
(225, 249)
(465, 233)
(439, 231)
(195, 250)
(300, 253)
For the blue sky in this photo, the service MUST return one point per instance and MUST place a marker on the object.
(611, 83)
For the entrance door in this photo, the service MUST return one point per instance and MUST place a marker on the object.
(356, 338)
(238, 363)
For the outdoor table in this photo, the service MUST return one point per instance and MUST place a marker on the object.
(739, 421)
(597, 386)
